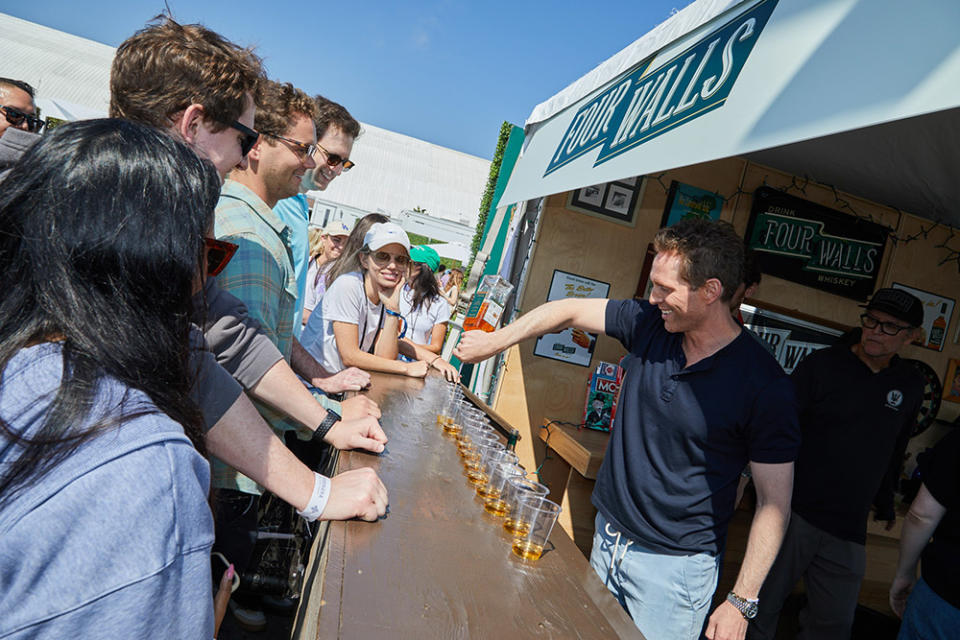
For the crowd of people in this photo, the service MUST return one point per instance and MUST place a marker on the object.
(170, 323)
(150, 337)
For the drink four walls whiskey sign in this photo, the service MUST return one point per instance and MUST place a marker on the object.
(813, 245)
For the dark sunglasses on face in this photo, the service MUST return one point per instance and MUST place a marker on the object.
(16, 117)
(889, 328)
(333, 160)
(219, 253)
(383, 258)
(302, 149)
(249, 138)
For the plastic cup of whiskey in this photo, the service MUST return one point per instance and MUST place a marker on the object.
(492, 492)
(535, 517)
(475, 471)
(515, 489)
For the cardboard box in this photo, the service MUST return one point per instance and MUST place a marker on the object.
(603, 392)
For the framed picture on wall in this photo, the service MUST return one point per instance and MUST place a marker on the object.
(615, 201)
(685, 201)
(951, 383)
(937, 311)
(571, 345)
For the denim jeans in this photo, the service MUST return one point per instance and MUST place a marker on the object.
(668, 597)
(928, 616)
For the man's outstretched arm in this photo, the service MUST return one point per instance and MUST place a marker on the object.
(586, 314)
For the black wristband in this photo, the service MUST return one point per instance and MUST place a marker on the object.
(324, 427)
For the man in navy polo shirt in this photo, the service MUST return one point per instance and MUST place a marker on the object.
(699, 400)
(858, 403)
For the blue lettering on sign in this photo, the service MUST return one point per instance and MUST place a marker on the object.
(640, 106)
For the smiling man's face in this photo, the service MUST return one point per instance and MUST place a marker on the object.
(333, 143)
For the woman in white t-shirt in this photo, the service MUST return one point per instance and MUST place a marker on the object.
(358, 321)
(425, 313)
(326, 245)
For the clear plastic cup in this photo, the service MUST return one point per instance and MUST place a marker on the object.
(535, 519)
(492, 492)
(515, 489)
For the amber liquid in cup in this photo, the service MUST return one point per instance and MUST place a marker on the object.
(486, 492)
(527, 550)
(477, 478)
(452, 428)
(516, 528)
(496, 507)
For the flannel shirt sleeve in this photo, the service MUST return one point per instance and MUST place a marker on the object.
(254, 277)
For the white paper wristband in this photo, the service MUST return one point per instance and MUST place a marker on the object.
(318, 501)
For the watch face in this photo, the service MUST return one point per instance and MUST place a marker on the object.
(750, 611)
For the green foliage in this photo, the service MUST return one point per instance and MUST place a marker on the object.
(487, 200)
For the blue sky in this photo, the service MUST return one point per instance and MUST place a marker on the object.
(446, 71)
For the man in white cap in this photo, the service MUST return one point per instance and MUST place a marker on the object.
(333, 238)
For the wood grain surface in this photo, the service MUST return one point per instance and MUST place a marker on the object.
(438, 566)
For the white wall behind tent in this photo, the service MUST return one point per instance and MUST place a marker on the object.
(70, 74)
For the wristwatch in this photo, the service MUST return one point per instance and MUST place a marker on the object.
(747, 608)
(324, 427)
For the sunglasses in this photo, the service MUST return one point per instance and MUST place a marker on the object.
(303, 149)
(249, 138)
(383, 258)
(889, 328)
(333, 160)
(219, 253)
(16, 117)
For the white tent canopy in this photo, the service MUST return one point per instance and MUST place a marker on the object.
(452, 250)
(860, 94)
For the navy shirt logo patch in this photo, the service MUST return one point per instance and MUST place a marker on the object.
(894, 398)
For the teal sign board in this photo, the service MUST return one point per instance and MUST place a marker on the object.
(640, 106)
(685, 201)
(807, 243)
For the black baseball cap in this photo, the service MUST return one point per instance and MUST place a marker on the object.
(899, 304)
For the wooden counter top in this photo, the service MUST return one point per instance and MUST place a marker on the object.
(438, 566)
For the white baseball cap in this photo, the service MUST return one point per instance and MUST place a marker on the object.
(336, 228)
(381, 234)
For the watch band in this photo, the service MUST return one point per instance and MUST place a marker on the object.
(747, 608)
(324, 427)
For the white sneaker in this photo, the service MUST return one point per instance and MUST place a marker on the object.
(249, 619)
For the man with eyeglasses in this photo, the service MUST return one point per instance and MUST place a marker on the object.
(336, 131)
(158, 76)
(858, 403)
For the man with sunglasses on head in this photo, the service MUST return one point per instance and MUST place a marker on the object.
(17, 121)
(858, 402)
(336, 131)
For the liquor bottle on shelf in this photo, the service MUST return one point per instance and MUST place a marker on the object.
(938, 329)
(487, 304)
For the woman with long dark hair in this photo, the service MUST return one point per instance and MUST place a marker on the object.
(425, 312)
(104, 521)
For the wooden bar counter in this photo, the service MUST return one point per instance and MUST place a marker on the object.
(438, 566)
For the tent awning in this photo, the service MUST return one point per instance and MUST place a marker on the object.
(861, 94)
(64, 110)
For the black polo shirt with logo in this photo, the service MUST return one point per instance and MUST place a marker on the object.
(855, 425)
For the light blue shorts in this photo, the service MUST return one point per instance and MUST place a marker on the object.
(668, 597)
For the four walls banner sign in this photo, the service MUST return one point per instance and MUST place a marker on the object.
(645, 103)
(818, 247)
